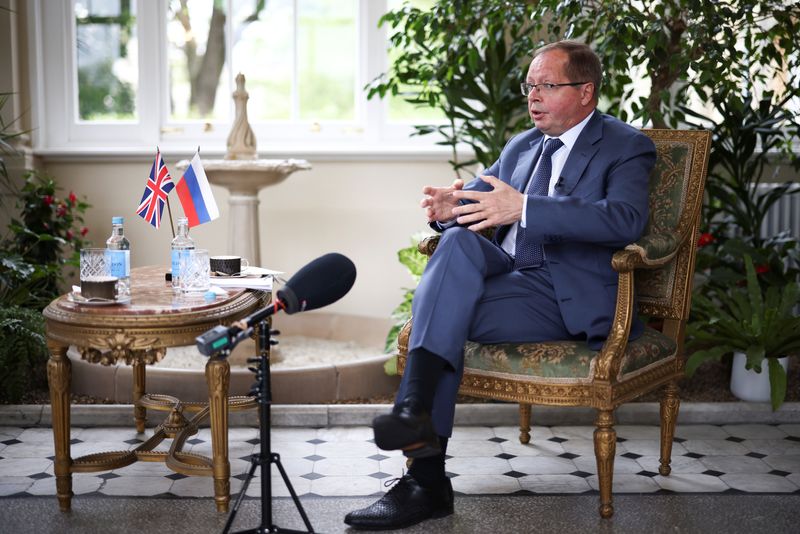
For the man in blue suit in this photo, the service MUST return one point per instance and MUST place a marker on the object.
(564, 196)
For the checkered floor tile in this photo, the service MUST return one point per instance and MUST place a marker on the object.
(344, 461)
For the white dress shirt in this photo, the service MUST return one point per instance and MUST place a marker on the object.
(558, 159)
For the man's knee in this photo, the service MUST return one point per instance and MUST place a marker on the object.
(458, 236)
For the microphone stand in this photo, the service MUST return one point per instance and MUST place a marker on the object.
(300, 293)
(265, 457)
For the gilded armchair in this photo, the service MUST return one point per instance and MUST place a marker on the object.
(566, 373)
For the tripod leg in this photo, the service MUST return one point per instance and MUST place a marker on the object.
(266, 457)
(229, 523)
(276, 459)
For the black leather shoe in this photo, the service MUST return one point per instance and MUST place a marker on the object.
(408, 427)
(406, 504)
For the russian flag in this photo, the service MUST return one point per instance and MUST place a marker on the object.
(195, 195)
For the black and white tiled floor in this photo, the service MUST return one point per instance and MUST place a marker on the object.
(343, 461)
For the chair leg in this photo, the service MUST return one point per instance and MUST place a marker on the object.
(670, 402)
(605, 446)
(524, 423)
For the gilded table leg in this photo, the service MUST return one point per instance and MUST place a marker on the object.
(139, 412)
(59, 374)
(218, 375)
(670, 403)
(605, 445)
(524, 423)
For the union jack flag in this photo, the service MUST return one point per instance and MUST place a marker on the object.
(155, 192)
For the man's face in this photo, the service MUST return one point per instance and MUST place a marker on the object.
(556, 111)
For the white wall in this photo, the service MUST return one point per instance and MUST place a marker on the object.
(365, 210)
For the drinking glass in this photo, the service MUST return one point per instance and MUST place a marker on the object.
(195, 271)
(93, 263)
(96, 279)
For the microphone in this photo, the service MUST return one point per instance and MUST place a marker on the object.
(319, 283)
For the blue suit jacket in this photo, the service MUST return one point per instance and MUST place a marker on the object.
(600, 204)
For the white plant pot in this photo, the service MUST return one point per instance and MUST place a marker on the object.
(748, 385)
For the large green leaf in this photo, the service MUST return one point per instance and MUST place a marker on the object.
(777, 382)
(701, 356)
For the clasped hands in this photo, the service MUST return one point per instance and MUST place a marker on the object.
(502, 205)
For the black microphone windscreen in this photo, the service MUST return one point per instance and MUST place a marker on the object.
(321, 282)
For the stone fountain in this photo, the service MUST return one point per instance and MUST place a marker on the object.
(244, 175)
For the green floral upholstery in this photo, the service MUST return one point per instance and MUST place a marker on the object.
(668, 188)
(563, 359)
(668, 184)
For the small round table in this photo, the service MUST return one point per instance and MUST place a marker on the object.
(138, 333)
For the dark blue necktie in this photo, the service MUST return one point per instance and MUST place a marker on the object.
(529, 254)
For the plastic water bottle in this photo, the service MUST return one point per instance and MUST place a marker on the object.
(180, 244)
(118, 249)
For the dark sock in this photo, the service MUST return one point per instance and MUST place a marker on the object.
(429, 472)
(423, 370)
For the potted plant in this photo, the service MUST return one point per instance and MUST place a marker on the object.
(23, 352)
(44, 235)
(752, 324)
(720, 261)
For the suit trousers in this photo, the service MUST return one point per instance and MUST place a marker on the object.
(470, 291)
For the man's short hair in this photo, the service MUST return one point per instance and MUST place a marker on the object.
(583, 64)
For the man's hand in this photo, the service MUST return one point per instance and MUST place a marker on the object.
(439, 201)
(502, 205)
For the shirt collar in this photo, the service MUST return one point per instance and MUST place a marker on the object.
(570, 136)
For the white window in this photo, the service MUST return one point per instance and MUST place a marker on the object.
(131, 74)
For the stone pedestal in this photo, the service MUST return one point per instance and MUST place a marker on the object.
(244, 179)
(244, 236)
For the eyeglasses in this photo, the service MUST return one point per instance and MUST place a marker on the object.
(527, 88)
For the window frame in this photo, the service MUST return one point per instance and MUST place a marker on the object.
(57, 128)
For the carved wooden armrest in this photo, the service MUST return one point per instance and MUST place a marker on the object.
(650, 252)
(428, 245)
(610, 357)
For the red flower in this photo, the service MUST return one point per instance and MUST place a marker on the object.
(705, 239)
(61, 211)
(48, 199)
(69, 235)
(84, 231)
(761, 269)
(72, 198)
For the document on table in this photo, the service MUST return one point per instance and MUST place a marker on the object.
(251, 278)
(262, 284)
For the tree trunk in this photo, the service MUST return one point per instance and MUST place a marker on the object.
(206, 74)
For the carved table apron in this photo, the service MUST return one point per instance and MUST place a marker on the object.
(138, 333)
